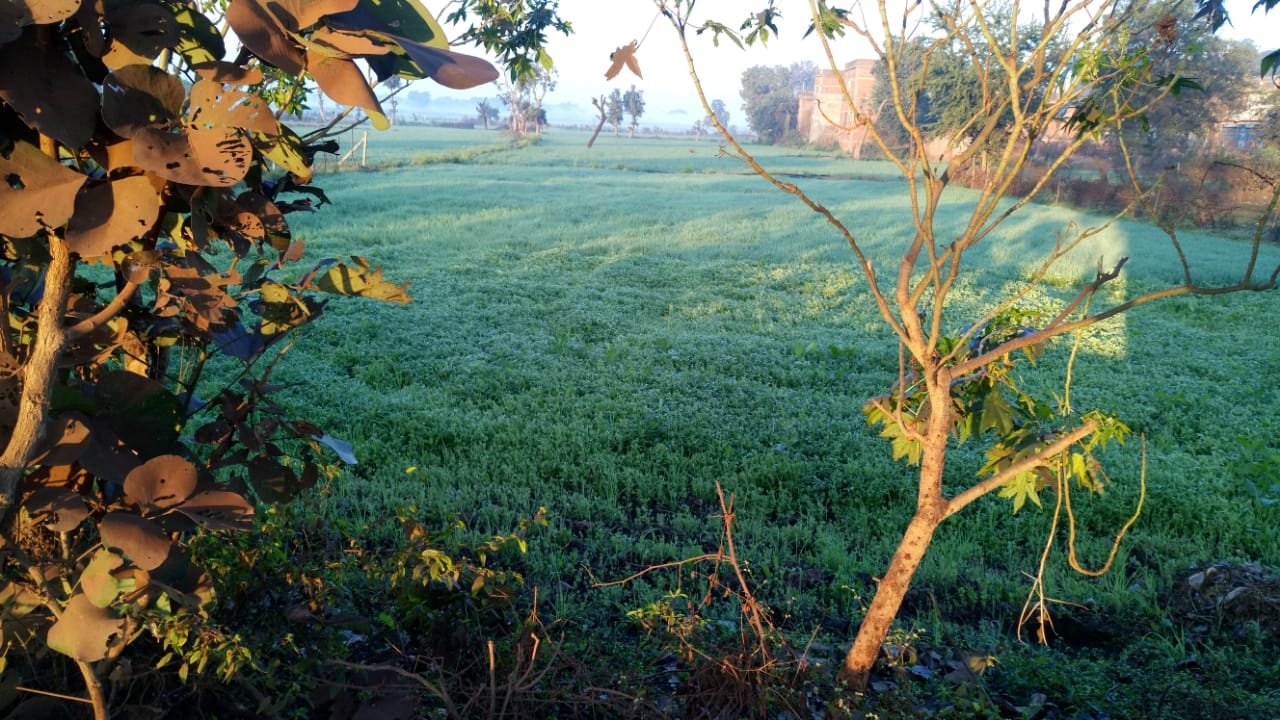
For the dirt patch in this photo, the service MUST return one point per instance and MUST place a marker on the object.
(1229, 597)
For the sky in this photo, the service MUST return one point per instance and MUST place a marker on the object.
(600, 26)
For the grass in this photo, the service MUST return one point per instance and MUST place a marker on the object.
(610, 332)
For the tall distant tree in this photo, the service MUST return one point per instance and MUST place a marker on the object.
(721, 113)
(523, 99)
(633, 101)
(769, 99)
(802, 75)
(487, 111)
(536, 88)
(615, 110)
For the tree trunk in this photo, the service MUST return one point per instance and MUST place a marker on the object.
(931, 510)
(888, 598)
(595, 134)
(38, 374)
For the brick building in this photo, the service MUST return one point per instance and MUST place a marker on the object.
(825, 116)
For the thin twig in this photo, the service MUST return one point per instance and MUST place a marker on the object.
(426, 684)
(60, 696)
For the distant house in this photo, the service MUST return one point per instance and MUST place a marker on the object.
(1243, 130)
(826, 118)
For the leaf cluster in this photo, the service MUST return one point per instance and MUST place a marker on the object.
(516, 31)
(993, 402)
(145, 251)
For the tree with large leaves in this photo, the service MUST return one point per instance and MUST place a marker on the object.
(148, 180)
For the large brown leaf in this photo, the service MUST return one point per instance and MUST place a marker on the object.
(407, 18)
(341, 80)
(64, 441)
(141, 540)
(141, 96)
(272, 481)
(264, 35)
(162, 482)
(95, 40)
(105, 458)
(85, 631)
(37, 191)
(213, 105)
(215, 157)
(219, 510)
(48, 91)
(139, 31)
(298, 14)
(229, 73)
(110, 214)
(114, 156)
(59, 508)
(205, 295)
(17, 14)
(462, 72)
(267, 216)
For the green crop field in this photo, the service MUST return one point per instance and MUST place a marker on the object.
(610, 332)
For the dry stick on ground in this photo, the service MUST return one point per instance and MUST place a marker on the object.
(1016, 107)
(755, 614)
(433, 689)
(494, 699)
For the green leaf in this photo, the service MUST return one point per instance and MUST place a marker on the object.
(910, 449)
(200, 40)
(1022, 487)
(408, 17)
(1270, 63)
(97, 582)
(997, 414)
(1079, 468)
